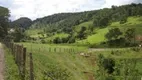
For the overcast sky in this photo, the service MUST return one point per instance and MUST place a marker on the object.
(40, 8)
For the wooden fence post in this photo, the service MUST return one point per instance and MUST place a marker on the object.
(23, 63)
(31, 68)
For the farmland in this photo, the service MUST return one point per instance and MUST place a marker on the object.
(104, 44)
(80, 66)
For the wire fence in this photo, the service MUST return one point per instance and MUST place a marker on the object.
(20, 56)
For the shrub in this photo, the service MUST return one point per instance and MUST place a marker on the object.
(43, 41)
(56, 73)
(136, 49)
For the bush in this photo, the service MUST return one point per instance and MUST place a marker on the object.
(110, 78)
(136, 49)
(57, 40)
(56, 73)
(43, 41)
(71, 40)
(108, 65)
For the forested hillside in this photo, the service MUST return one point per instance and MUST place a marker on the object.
(75, 27)
(22, 22)
(100, 17)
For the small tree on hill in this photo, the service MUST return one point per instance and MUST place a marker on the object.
(18, 35)
(82, 34)
(113, 34)
(130, 35)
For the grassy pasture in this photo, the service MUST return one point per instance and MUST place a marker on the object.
(70, 60)
(69, 57)
(73, 61)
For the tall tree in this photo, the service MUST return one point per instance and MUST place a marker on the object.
(4, 14)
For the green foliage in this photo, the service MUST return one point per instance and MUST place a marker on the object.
(123, 20)
(56, 73)
(108, 65)
(65, 22)
(101, 22)
(43, 41)
(113, 34)
(82, 34)
(4, 14)
(130, 35)
(57, 40)
(11, 69)
(71, 39)
(125, 66)
(22, 23)
(97, 24)
(18, 35)
(48, 61)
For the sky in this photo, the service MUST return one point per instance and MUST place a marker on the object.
(39, 8)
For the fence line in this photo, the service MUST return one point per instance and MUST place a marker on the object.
(19, 53)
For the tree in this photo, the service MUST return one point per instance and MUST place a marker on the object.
(130, 35)
(113, 34)
(82, 34)
(4, 14)
(18, 34)
(101, 21)
(108, 65)
(57, 40)
(123, 19)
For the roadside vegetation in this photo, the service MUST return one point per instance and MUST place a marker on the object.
(11, 69)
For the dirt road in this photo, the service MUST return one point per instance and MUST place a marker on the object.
(1, 63)
(107, 49)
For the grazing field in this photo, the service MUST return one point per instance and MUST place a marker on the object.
(80, 62)
(70, 60)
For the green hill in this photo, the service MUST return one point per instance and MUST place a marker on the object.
(85, 28)
(133, 22)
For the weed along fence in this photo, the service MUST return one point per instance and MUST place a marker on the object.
(20, 57)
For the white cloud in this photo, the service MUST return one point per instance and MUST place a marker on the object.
(40, 8)
(109, 3)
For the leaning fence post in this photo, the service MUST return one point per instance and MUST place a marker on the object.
(31, 68)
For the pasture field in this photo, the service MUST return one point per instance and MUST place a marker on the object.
(70, 60)
(81, 67)
(80, 62)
